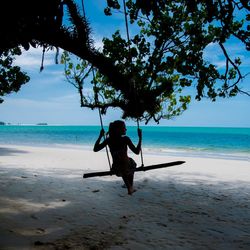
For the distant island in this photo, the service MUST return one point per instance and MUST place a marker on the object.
(2, 123)
(42, 123)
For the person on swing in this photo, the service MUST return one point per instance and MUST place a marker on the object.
(118, 143)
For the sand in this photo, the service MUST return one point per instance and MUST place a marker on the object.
(46, 204)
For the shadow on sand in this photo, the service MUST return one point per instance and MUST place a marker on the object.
(11, 151)
(58, 209)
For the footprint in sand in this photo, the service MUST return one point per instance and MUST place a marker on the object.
(162, 224)
(34, 217)
(40, 231)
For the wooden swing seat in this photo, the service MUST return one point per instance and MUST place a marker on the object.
(142, 168)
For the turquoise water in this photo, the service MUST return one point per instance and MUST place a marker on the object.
(224, 142)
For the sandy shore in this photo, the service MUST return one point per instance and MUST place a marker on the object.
(46, 204)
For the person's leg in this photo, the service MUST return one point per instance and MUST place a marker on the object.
(132, 167)
(131, 179)
(127, 182)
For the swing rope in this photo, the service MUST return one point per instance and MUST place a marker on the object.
(101, 121)
(96, 100)
(130, 59)
(142, 168)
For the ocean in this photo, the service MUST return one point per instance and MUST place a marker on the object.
(233, 143)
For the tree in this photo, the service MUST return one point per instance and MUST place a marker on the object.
(143, 75)
(11, 77)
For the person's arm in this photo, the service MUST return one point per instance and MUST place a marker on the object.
(100, 145)
(136, 149)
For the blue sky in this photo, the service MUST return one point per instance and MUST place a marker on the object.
(48, 97)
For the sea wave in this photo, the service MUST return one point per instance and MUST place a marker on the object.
(199, 152)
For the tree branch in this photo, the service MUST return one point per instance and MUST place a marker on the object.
(232, 63)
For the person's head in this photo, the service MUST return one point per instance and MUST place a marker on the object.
(117, 128)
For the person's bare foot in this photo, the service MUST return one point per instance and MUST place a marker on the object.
(131, 191)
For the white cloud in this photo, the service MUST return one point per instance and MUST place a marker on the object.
(66, 98)
(63, 110)
(214, 54)
(31, 60)
(49, 77)
(98, 43)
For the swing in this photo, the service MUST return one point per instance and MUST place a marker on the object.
(142, 167)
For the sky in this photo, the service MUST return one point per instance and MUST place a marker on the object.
(49, 98)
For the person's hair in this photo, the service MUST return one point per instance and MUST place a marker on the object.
(115, 128)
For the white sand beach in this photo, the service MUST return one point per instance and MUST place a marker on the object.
(46, 204)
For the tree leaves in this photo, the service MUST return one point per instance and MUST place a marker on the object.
(145, 76)
(11, 77)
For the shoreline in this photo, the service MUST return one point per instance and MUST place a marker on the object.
(198, 141)
(46, 204)
(167, 152)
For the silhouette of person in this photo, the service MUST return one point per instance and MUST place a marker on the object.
(118, 143)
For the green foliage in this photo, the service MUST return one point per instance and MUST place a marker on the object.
(11, 77)
(146, 76)
(78, 72)
(166, 56)
(168, 50)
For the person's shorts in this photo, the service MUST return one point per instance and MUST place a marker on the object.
(124, 169)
